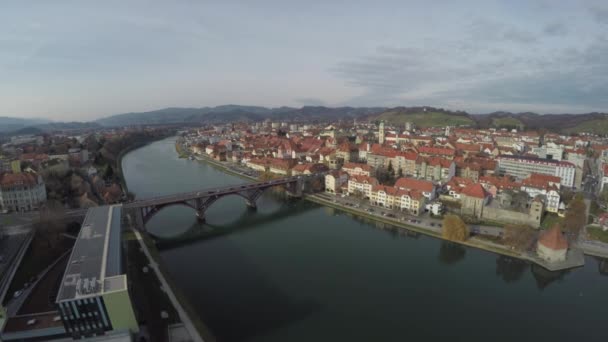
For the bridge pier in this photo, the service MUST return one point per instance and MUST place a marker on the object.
(200, 216)
(251, 205)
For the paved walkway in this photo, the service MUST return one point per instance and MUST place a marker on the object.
(195, 336)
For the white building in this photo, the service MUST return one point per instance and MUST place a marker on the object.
(334, 181)
(21, 192)
(549, 151)
(362, 184)
(522, 167)
(604, 179)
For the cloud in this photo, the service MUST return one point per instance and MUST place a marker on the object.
(519, 36)
(491, 76)
(555, 29)
(600, 14)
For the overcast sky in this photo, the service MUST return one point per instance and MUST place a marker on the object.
(80, 60)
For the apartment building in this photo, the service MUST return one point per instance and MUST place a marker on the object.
(522, 167)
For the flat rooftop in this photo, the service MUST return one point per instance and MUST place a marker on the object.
(95, 256)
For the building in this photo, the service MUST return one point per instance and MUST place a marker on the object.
(394, 198)
(21, 191)
(521, 168)
(427, 188)
(334, 181)
(358, 169)
(552, 246)
(93, 297)
(549, 151)
(361, 184)
(474, 199)
(604, 175)
(545, 185)
(381, 133)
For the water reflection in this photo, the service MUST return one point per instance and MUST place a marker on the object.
(510, 269)
(602, 265)
(544, 277)
(451, 253)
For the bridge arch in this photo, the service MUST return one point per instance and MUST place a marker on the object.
(152, 211)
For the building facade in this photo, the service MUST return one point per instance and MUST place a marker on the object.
(93, 297)
(21, 192)
(523, 167)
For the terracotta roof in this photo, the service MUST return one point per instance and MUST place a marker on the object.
(363, 179)
(554, 239)
(474, 190)
(9, 180)
(352, 166)
(436, 150)
(414, 184)
(537, 180)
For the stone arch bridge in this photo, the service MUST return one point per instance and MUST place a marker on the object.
(202, 200)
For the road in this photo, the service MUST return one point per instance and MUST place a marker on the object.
(423, 221)
(194, 335)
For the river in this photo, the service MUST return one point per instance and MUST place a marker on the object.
(296, 271)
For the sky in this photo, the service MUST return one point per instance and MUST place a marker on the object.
(81, 60)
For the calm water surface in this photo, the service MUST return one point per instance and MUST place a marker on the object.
(301, 272)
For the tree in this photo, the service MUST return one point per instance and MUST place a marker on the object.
(400, 173)
(49, 225)
(603, 196)
(576, 216)
(454, 228)
(518, 237)
(390, 169)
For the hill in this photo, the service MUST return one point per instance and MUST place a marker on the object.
(425, 117)
(8, 124)
(230, 113)
(564, 123)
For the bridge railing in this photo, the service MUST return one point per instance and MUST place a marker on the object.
(209, 192)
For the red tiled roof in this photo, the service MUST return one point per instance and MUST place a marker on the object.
(364, 179)
(474, 190)
(436, 150)
(8, 180)
(414, 184)
(352, 166)
(554, 239)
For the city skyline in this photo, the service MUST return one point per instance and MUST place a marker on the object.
(69, 61)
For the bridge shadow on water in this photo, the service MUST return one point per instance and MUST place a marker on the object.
(233, 295)
(250, 219)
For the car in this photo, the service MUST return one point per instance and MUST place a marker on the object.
(17, 293)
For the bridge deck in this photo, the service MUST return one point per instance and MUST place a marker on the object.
(207, 193)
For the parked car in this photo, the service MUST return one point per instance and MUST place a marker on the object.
(17, 293)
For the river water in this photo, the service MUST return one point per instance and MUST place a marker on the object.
(296, 271)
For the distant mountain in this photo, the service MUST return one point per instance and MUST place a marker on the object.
(8, 124)
(424, 117)
(230, 113)
(565, 123)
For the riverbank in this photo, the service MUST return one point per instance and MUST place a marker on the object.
(118, 167)
(474, 242)
(575, 256)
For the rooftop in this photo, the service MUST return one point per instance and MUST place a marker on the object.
(95, 256)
